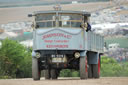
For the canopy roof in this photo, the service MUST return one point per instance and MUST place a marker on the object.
(64, 12)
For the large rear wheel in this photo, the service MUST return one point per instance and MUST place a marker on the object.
(90, 71)
(83, 68)
(35, 69)
(96, 70)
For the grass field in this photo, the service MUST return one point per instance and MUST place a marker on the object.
(123, 41)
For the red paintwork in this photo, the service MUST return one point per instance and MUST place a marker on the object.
(99, 66)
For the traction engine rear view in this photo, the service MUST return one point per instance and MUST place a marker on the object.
(64, 40)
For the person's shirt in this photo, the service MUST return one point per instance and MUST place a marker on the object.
(88, 27)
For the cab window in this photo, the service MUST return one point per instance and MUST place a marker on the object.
(70, 20)
(60, 20)
(45, 20)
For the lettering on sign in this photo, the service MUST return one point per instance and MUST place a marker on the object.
(56, 35)
(56, 46)
(63, 43)
(56, 41)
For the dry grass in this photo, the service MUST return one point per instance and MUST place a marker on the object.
(20, 13)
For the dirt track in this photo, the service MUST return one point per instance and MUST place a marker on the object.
(68, 81)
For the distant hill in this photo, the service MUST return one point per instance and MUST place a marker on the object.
(50, 0)
(18, 3)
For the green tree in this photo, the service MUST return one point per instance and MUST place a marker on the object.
(14, 58)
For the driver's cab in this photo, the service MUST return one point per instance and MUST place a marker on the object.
(61, 19)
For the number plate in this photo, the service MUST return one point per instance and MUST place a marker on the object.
(57, 56)
(59, 60)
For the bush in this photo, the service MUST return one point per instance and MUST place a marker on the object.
(15, 60)
(111, 68)
(65, 73)
(75, 74)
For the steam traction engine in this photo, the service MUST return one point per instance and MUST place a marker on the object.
(62, 41)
